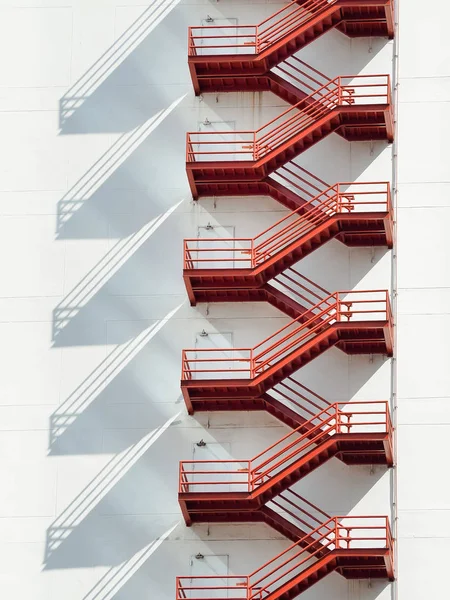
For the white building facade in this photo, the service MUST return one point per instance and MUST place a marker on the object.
(95, 101)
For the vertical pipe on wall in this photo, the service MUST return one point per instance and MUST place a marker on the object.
(394, 393)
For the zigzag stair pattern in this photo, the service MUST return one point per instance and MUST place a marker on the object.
(217, 60)
(261, 378)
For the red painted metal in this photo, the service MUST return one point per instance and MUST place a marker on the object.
(215, 269)
(359, 322)
(221, 57)
(260, 162)
(356, 547)
(291, 185)
(251, 253)
(354, 308)
(358, 106)
(360, 92)
(347, 422)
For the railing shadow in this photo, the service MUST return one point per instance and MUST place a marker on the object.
(329, 54)
(350, 485)
(108, 177)
(93, 393)
(83, 512)
(346, 376)
(91, 105)
(114, 580)
(96, 279)
(333, 265)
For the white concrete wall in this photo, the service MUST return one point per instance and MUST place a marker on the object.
(423, 275)
(94, 204)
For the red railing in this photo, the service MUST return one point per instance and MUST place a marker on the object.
(248, 253)
(249, 363)
(208, 476)
(297, 510)
(302, 75)
(252, 39)
(232, 146)
(305, 184)
(297, 287)
(360, 533)
(299, 398)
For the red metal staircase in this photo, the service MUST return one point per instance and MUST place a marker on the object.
(292, 80)
(359, 107)
(237, 57)
(258, 491)
(357, 433)
(355, 547)
(356, 322)
(251, 163)
(239, 269)
(291, 185)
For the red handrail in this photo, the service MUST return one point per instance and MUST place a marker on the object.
(301, 511)
(342, 90)
(256, 38)
(341, 306)
(251, 252)
(304, 401)
(306, 178)
(293, 67)
(337, 418)
(364, 533)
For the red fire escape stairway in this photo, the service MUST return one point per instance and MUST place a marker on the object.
(291, 292)
(358, 322)
(292, 80)
(240, 490)
(240, 269)
(355, 547)
(232, 57)
(258, 490)
(291, 185)
(248, 163)
(358, 107)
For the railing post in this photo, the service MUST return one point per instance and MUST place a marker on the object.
(338, 419)
(388, 418)
(255, 150)
(339, 91)
(388, 198)
(257, 48)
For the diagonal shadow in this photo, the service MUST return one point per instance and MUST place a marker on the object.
(73, 408)
(116, 577)
(96, 491)
(91, 186)
(79, 112)
(103, 271)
